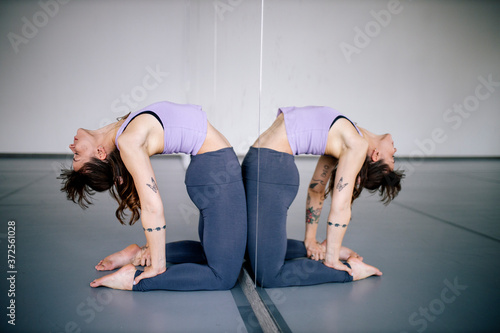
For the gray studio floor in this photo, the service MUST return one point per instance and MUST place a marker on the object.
(437, 245)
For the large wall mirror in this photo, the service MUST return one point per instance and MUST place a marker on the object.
(391, 66)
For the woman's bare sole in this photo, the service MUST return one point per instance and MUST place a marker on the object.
(129, 255)
(360, 270)
(122, 279)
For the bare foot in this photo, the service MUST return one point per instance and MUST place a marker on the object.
(121, 258)
(122, 279)
(360, 270)
(346, 253)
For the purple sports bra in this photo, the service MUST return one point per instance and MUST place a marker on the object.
(184, 126)
(307, 127)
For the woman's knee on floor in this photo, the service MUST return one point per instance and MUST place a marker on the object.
(227, 278)
(271, 278)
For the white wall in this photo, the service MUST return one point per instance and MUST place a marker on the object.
(92, 62)
(425, 60)
(73, 71)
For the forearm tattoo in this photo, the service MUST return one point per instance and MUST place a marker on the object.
(341, 186)
(316, 182)
(154, 229)
(325, 170)
(336, 225)
(154, 187)
(312, 215)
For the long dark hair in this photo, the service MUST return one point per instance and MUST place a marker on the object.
(102, 175)
(374, 176)
(99, 176)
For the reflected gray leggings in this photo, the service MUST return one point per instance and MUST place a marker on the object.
(271, 181)
(215, 186)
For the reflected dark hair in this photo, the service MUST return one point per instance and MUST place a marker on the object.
(374, 176)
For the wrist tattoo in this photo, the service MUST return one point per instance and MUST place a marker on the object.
(341, 186)
(154, 229)
(336, 225)
(154, 187)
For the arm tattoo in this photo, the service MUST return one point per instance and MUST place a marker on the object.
(336, 225)
(154, 229)
(341, 186)
(317, 181)
(312, 215)
(325, 170)
(154, 187)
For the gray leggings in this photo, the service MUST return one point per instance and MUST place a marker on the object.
(215, 186)
(271, 183)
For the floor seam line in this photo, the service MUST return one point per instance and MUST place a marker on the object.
(25, 186)
(447, 222)
(262, 313)
(481, 179)
(273, 310)
(245, 317)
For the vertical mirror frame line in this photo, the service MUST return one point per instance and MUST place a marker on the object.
(214, 92)
(258, 135)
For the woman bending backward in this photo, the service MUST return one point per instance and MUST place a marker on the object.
(117, 158)
(351, 159)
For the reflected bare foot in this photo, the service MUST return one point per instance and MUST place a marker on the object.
(122, 279)
(360, 270)
(121, 258)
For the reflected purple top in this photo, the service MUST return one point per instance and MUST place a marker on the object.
(184, 126)
(307, 127)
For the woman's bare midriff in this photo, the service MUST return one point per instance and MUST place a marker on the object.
(213, 141)
(275, 137)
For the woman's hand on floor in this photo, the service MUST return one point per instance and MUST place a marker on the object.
(315, 250)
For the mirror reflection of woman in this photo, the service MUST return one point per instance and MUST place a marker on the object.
(117, 158)
(351, 158)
